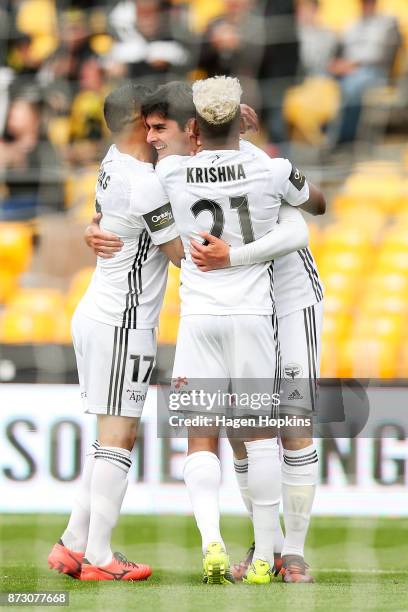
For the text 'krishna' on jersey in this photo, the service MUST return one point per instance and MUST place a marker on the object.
(234, 196)
(127, 290)
(296, 278)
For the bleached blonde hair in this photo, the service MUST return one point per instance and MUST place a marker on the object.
(217, 99)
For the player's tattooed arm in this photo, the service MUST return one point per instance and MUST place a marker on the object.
(174, 251)
(316, 204)
(104, 244)
(290, 234)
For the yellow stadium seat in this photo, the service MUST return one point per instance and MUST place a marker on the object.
(368, 358)
(396, 239)
(311, 105)
(36, 17)
(338, 303)
(344, 237)
(392, 261)
(346, 262)
(329, 358)
(77, 288)
(38, 300)
(356, 211)
(15, 247)
(80, 189)
(168, 328)
(18, 325)
(381, 326)
(338, 15)
(384, 304)
(337, 326)
(340, 283)
(58, 130)
(171, 297)
(8, 285)
(383, 190)
(201, 13)
(387, 283)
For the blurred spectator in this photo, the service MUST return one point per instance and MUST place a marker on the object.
(318, 45)
(368, 50)
(279, 67)
(145, 43)
(233, 42)
(29, 166)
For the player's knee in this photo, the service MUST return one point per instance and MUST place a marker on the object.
(295, 443)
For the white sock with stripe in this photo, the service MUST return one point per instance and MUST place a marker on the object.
(75, 535)
(241, 472)
(264, 489)
(108, 488)
(202, 475)
(299, 478)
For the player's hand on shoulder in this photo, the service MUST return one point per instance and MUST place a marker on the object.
(103, 244)
(212, 255)
(249, 119)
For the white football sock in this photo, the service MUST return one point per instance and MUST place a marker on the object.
(299, 478)
(241, 472)
(202, 475)
(75, 535)
(265, 490)
(108, 487)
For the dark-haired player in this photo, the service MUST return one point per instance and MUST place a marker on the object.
(113, 331)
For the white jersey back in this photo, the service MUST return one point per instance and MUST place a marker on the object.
(127, 290)
(235, 196)
(296, 278)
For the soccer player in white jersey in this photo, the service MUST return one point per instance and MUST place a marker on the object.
(237, 194)
(168, 113)
(113, 331)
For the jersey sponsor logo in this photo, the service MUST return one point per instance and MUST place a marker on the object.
(136, 396)
(297, 179)
(221, 174)
(160, 218)
(292, 371)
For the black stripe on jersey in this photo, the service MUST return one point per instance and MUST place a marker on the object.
(310, 259)
(310, 354)
(314, 279)
(142, 259)
(113, 367)
(132, 283)
(271, 279)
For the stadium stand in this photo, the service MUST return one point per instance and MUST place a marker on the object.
(70, 58)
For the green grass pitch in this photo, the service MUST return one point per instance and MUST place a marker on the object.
(359, 564)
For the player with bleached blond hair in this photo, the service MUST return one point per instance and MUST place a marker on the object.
(228, 329)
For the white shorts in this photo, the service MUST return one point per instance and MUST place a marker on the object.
(300, 343)
(231, 353)
(114, 366)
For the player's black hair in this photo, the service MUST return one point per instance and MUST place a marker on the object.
(123, 105)
(173, 100)
(220, 132)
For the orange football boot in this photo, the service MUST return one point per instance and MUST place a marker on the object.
(118, 569)
(65, 560)
(294, 569)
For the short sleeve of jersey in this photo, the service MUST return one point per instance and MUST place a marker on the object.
(149, 200)
(290, 182)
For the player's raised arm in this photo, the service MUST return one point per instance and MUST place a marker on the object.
(290, 234)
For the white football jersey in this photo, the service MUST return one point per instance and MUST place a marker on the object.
(296, 279)
(235, 196)
(127, 290)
